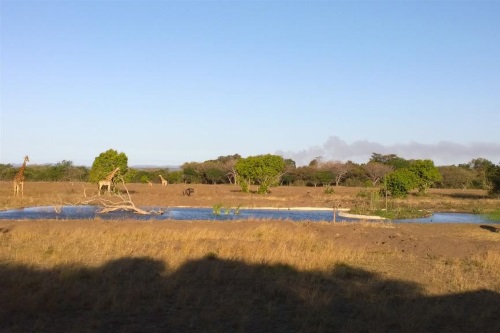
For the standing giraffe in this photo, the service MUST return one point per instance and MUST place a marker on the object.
(107, 181)
(164, 182)
(19, 178)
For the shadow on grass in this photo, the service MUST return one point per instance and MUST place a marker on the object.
(213, 295)
(466, 196)
(490, 228)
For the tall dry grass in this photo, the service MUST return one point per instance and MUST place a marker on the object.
(232, 276)
(245, 276)
(92, 243)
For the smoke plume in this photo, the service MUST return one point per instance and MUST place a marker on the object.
(442, 153)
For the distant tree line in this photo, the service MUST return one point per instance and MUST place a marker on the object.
(391, 172)
(61, 171)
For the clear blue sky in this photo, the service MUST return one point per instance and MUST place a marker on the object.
(168, 82)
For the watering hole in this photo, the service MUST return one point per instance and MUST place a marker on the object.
(223, 214)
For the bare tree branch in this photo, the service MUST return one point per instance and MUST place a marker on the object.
(124, 203)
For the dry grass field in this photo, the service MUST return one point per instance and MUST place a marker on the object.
(246, 276)
(41, 193)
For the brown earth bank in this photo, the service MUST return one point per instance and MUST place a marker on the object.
(245, 275)
(47, 193)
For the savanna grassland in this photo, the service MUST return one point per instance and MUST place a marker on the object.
(247, 276)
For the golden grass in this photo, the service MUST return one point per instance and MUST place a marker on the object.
(480, 271)
(92, 243)
(41, 193)
(290, 270)
(48, 244)
(247, 276)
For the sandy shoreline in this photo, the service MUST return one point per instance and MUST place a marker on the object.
(342, 212)
(363, 217)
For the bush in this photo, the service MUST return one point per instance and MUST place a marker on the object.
(329, 190)
(401, 182)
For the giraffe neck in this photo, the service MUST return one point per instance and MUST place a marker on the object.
(111, 175)
(20, 173)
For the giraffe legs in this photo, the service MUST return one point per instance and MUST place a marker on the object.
(103, 183)
(19, 187)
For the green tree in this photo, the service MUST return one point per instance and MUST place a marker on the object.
(174, 177)
(483, 169)
(456, 177)
(322, 177)
(7, 172)
(107, 162)
(215, 176)
(288, 176)
(400, 182)
(66, 171)
(392, 160)
(494, 178)
(427, 174)
(264, 170)
(316, 162)
(191, 173)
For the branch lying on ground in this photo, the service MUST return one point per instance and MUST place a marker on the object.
(125, 204)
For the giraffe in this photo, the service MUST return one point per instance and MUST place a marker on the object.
(107, 181)
(164, 182)
(19, 178)
(149, 183)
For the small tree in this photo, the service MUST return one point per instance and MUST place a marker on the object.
(427, 174)
(321, 177)
(390, 159)
(264, 170)
(483, 169)
(456, 177)
(215, 176)
(401, 182)
(107, 162)
(494, 178)
(7, 172)
(338, 169)
(174, 177)
(376, 171)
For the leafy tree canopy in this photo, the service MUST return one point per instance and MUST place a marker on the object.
(391, 159)
(401, 182)
(107, 162)
(227, 158)
(494, 177)
(215, 176)
(427, 174)
(316, 162)
(456, 177)
(264, 170)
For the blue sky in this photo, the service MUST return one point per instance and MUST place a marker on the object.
(168, 82)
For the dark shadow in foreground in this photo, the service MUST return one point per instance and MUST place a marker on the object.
(213, 295)
(490, 228)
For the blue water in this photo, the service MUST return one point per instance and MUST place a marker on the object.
(450, 218)
(90, 212)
